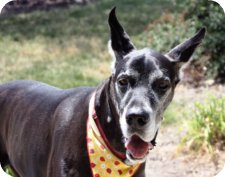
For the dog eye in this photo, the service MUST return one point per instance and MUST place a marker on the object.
(123, 82)
(163, 84)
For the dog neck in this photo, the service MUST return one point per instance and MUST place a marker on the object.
(105, 107)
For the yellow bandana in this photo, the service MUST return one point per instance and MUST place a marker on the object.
(102, 161)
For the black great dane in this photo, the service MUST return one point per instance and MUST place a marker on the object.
(43, 129)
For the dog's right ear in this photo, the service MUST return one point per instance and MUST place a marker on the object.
(183, 52)
(120, 42)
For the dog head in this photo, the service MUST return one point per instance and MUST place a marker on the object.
(144, 82)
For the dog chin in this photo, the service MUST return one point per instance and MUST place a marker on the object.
(131, 161)
(137, 149)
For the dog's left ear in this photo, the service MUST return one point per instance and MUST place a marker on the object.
(120, 41)
(183, 52)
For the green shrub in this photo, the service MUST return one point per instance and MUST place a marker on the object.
(207, 125)
(211, 15)
(165, 33)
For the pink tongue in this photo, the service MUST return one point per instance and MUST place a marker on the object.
(137, 147)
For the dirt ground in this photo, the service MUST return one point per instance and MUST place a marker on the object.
(167, 160)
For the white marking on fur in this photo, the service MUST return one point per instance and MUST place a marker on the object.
(179, 64)
(123, 123)
(157, 74)
(169, 58)
(109, 119)
(130, 73)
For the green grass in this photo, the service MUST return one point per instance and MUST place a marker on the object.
(68, 47)
(174, 113)
(206, 128)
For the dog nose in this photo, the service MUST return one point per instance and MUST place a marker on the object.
(137, 119)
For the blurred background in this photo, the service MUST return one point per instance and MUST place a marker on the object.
(64, 43)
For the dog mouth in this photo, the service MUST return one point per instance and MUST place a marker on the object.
(137, 148)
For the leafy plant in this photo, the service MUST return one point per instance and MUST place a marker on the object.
(165, 32)
(207, 125)
(211, 15)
